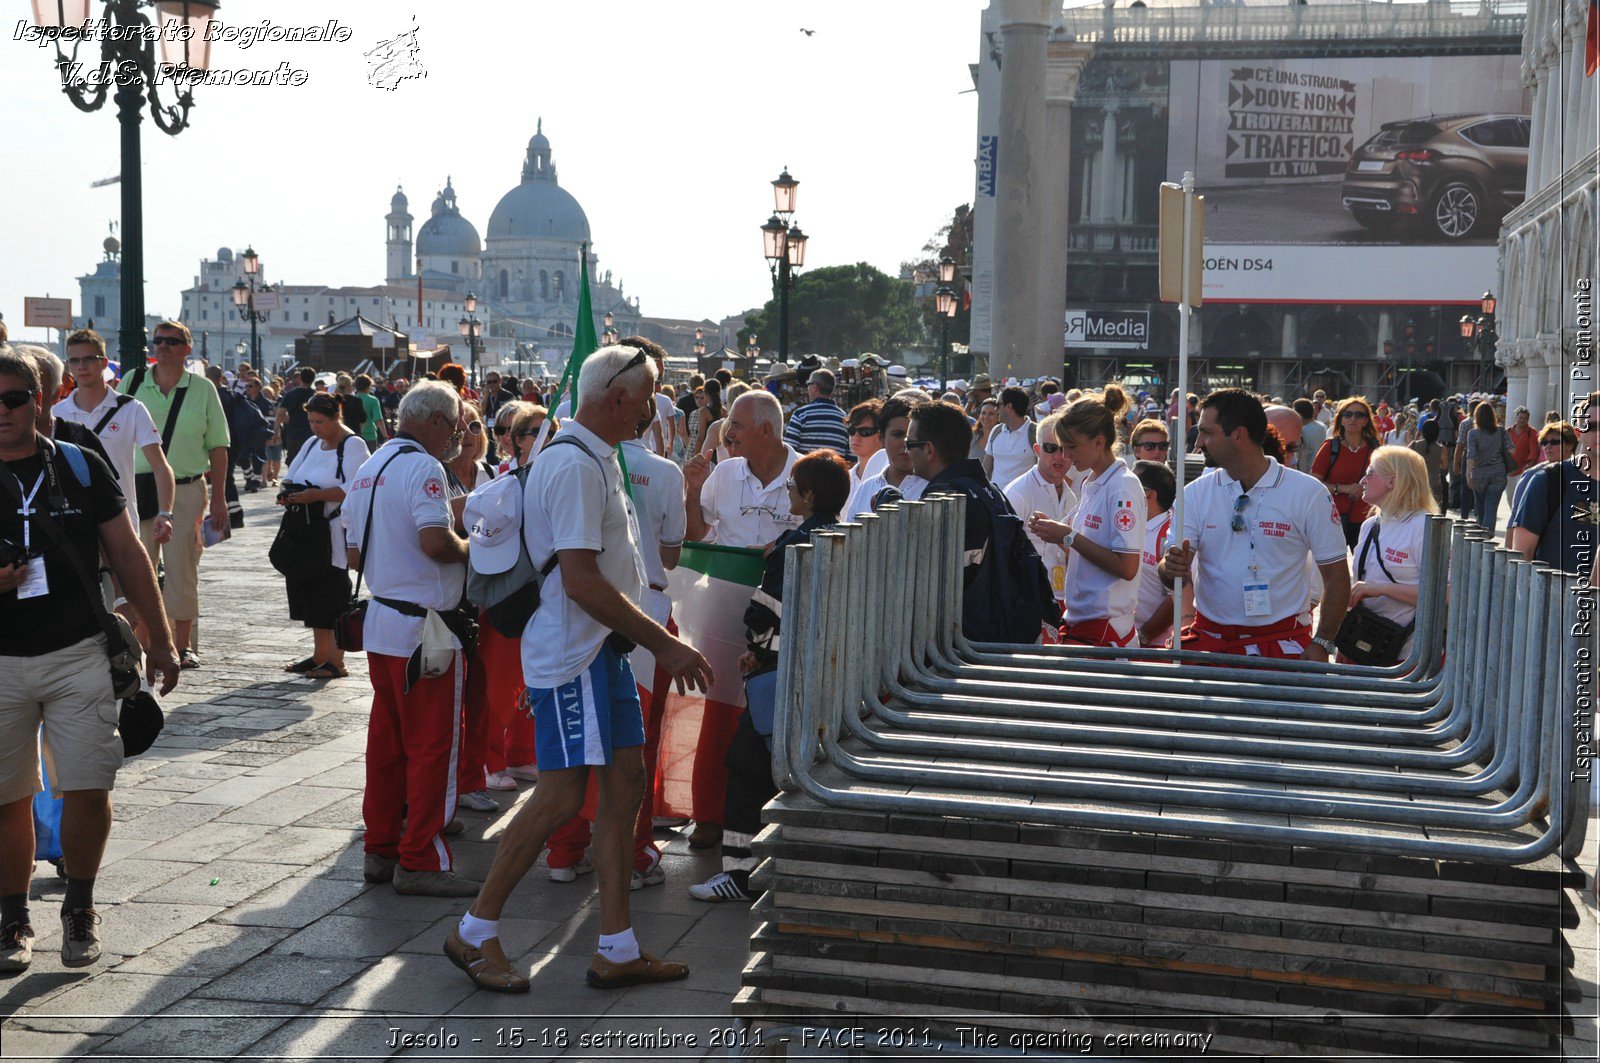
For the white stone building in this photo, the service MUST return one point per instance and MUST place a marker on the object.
(1545, 316)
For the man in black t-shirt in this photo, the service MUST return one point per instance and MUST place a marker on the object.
(53, 658)
(292, 423)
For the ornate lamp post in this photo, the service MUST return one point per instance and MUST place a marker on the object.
(699, 345)
(128, 44)
(785, 248)
(1480, 335)
(944, 302)
(471, 329)
(610, 335)
(244, 298)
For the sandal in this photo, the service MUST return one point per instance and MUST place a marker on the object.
(301, 666)
(188, 659)
(325, 671)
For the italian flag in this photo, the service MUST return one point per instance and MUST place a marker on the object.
(710, 588)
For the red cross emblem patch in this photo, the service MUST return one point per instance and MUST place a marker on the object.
(433, 488)
(1124, 520)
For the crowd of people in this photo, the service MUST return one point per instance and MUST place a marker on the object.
(516, 555)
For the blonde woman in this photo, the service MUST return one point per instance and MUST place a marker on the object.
(1389, 547)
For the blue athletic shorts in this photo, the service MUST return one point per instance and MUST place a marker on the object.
(582, 722)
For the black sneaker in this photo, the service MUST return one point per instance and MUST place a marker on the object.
(80, 941)
(16, 946)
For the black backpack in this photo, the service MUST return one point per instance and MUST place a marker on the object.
(1008, 598)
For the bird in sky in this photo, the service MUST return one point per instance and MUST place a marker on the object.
(808, 33)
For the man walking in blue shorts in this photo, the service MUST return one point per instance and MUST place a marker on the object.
(581, 689)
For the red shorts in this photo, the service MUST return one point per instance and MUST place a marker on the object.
(1097, 633)
(1283, 640)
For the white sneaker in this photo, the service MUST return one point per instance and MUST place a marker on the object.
(478, 801)
(719, 887)
(525, 772)
(499, 780)
(570, 874)
(653, 877)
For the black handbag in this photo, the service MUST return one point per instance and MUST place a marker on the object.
(298, 551)
(1366, 637)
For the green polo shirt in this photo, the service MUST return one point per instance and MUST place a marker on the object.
(201, 425)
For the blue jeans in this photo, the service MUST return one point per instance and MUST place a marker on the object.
(1486, 504)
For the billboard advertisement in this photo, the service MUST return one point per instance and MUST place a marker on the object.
(1351, 180)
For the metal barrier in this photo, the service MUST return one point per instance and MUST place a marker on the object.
(1462, 751)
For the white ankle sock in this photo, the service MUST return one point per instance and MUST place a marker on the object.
(475, 931)
(619, 948)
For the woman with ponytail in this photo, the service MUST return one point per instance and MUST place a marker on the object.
(1106, 531)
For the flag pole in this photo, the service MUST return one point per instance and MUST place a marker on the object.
(1181, 445)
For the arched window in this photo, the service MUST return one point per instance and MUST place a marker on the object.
(505, 285)
(561, 286)
(544, 285)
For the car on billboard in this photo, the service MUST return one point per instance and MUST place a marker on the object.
(1451, 176)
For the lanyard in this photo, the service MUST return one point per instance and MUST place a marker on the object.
(27, 511)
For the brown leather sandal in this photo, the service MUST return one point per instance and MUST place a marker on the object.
(486, 965)
(603, 974)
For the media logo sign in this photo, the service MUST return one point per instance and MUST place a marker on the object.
(1127, 330)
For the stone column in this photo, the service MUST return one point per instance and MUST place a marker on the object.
(1109, 175)
(1291, 341)
(1063, 65)
(1516, 378)
(1019, 189)
(1531, 83)
(1538, 159)
(1550, 76)
(1540, 397)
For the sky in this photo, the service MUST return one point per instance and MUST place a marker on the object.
(667, 122)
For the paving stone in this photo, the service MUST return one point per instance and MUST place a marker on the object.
(108, 1003)
(344, 936)
(312, 764)
(326, 1034)
(22, 1043)
(344, 813)
(284, 979)
(240, 790)
(127, 879)
(162, 824)
(221, 882)
(297, 901)
(198, 1028)
(208, 950)
(406, 983)
(289, 805)
(208, 841)
(131, 928)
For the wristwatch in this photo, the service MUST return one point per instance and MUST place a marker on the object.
(1328, 645)
(165, 513)
(1072, 536)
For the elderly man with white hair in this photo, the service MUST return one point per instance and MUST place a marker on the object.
(744, 500)
(581, 689)
(401, 537)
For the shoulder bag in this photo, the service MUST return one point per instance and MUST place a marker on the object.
(297, 549)
(144, 483)
(348, 629)
(1366, 637)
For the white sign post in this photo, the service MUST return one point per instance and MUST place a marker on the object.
(1181, 225)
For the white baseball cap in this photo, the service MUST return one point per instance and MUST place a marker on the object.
(493, 516)
(897, 371)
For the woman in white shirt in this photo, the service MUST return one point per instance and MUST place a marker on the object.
(1389, 549)
(319, 472)
(1106, 531)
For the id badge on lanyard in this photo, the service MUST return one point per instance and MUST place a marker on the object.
(34, 584)
(1257, 594)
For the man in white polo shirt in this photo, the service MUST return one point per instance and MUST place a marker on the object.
(1252, 523)
(1043, 489)
(580, 687)
(400, 532)
(121, 422)
(743, 501)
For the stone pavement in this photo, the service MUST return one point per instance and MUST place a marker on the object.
(236, 921)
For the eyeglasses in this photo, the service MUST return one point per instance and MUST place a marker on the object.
(633, 363)
(912, 444)
(1358, 414)
(864, 430)
(1292, 448)
(1050, 448)
(1239, 503)
(475, 427)
(169, 341)
(1161, 446)
(1556, 444)
(789, 483)
(15, 400)
(502, 429)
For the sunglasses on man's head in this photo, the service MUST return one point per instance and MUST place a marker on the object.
(15, 400)
(633, 363)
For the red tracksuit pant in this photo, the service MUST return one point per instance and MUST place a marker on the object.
(413, 746)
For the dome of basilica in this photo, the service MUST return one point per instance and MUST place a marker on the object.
(539, 208)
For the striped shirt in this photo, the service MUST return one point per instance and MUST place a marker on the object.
(818, 425)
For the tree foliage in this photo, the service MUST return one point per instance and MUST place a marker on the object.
(953, 238)
(840, 312)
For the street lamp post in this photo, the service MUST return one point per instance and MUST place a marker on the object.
(244, 298)
(785, 249)
(471, 329)
(944, 302)
(1481, 335)
(128, 59)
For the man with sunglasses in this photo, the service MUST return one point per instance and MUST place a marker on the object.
(194, 430)
(121, 422)
(1044, 489)
(1248, 526)
(53, 659)
(1556, 518)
